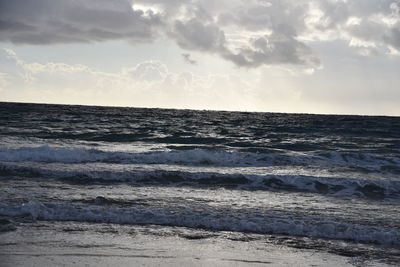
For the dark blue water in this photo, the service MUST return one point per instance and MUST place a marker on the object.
(325, 178)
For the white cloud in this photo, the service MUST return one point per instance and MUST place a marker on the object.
(148, 10)
(149, 71)
(342, 87)
(149, 84)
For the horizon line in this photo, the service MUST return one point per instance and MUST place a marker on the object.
(195, 109)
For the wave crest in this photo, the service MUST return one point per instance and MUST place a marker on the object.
(374, 189)
(224, 220)
(358, 161)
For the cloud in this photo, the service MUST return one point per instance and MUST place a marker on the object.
(366, 23)
(149, 71)
(188, 59)
(69, 21)
(347, 88)
(195, 35)
(275, 49)
(149, 84)
(248, 33)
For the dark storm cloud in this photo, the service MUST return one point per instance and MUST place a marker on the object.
(267, 31)
(196, 35)
(275, 50)
(68, 21)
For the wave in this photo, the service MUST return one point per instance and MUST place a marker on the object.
(374, 189)
(360, 161)
(269, 222)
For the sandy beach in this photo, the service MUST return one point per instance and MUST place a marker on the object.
(80, 244)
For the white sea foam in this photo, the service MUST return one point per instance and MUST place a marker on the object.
(213, 219)
(369, 162)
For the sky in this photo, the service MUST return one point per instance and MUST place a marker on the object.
(315, 56)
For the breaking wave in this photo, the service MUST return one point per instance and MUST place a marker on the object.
(214, 219)
(362, 161)
(374, 189)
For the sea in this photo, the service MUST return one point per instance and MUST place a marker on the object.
(321, 182)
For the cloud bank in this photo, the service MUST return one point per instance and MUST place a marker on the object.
(153, 84)
(248, 33)
(147, 84)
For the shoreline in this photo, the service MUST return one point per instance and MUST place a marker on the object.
(85, 244)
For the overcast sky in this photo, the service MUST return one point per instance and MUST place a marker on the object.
(321, 56)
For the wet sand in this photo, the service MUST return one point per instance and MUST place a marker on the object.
(77, 244)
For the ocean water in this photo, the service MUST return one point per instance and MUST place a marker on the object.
(323, 182)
